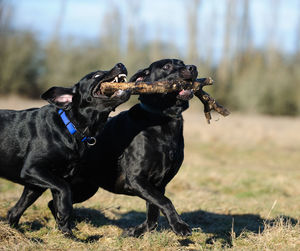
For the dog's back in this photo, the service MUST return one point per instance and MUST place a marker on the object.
(19, 134)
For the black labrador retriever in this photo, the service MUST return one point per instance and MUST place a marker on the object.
(40, 147)
(140, 150)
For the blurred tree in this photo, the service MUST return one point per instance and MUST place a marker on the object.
(297, 32)
(244, 38)
(225, 69)
(54, 70)
(193, 30)
(18, 58)
(110, 40)
(60, 20)
(156, 46)
(272, 33)
(209, 37)
(248, 78)
(135, 53)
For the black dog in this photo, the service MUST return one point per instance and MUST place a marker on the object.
(140, 150)
(40, 147)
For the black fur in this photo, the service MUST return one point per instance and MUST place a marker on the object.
(141, 150)
(37, 150)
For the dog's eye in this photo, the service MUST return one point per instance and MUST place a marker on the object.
(96, 76)
(167, 67)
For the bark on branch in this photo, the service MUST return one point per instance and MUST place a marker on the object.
(155, 87)
(171, 86)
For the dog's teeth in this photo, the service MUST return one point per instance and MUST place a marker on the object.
(122, 77)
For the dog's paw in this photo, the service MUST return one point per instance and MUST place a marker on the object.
(12, 219)
(181, 228)
(69, 235)
(139, 230)
(66, 231)
(135, 231)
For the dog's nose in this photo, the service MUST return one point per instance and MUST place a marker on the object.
(121, 66)
(191, 68)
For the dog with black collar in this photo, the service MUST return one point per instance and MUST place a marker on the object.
(40, 147)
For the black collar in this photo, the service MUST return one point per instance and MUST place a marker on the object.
(159, 112)
(150, 109)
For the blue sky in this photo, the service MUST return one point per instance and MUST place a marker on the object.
(84, 19)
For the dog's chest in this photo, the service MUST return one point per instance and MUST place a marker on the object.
(162, 151)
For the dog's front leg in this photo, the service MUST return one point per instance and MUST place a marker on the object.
(152, 195)
(43, 178)
(29, 195)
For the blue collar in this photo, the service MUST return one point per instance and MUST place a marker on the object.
(72, 129)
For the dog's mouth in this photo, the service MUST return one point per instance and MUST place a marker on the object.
(188, 76)
(185, 94)
(120, 78)
(139, 79)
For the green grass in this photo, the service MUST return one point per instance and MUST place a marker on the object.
(236, 192)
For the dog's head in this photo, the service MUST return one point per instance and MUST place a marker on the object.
(87, 93)
(171, 104)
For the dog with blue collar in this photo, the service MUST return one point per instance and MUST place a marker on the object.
(40, 146)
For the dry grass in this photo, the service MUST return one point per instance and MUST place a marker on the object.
(238, 188)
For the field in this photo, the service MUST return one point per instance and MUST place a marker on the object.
(239, 189)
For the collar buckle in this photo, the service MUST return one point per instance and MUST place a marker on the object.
(91, 141)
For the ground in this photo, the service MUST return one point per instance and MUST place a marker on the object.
(238, 188)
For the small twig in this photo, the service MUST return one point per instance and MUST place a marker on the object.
(210, 104)
(274, 204)
(233, 235)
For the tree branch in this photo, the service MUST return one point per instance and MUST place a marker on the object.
(171, 86)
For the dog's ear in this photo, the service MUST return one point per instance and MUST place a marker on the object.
(61, 97)
(140, 75)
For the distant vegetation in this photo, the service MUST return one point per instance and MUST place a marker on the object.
(248, 79)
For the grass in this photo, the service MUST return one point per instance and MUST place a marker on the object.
(238, 189)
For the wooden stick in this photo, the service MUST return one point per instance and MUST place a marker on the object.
(155, 87)
(170, 86)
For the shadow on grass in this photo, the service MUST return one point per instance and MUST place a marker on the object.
(23, 227)
(32, 226)
(220, 226)
(37, 225)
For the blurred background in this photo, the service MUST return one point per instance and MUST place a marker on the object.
(250, 48)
